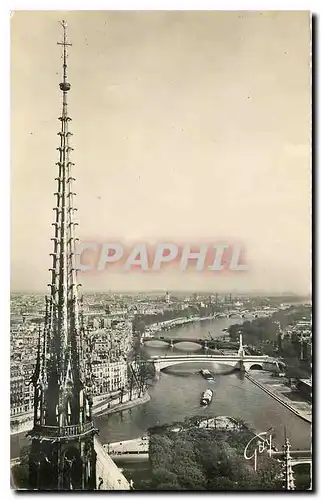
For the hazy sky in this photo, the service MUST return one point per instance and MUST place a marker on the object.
(188, 126)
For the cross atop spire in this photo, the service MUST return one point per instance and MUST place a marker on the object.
(64, 86)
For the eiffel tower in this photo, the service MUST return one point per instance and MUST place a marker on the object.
(62, 454)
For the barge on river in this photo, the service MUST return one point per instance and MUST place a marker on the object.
(206, 398)
(207, 375)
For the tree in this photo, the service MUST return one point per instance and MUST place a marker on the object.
(169, 486)
(160, 451)
(269, 474)
(233, 331)
(302, 477)
(162, 476)
(294, 370)
(206, 459)
(288, 350)
(141, 371)
(190, 476)
(221, 483)
(269, 350)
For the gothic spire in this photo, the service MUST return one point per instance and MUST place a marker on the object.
(62, 453)
(62, 391)
(64, 284)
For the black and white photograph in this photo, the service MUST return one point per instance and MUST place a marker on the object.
(161, 248)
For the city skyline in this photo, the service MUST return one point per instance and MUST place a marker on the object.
(161, 291)
(167, 106)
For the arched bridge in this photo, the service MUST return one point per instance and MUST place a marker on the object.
(238, 361)
(244, 314)
(204, 343)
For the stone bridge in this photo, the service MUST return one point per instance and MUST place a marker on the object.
(204, 343)
(129, 451)
(236, 361)
(244, 314)
(240, 360)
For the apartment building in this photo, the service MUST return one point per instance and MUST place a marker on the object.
(21, 392)
(109, 376)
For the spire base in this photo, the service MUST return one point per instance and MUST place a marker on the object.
(46, 432)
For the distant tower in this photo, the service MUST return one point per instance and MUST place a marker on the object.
(167, 298)
(62, 451)
(228, 300)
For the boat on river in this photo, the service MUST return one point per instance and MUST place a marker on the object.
(207, 375)
(206, 397)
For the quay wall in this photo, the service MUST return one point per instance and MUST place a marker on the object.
(278, 398)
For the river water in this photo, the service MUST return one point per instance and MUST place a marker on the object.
(176, 395)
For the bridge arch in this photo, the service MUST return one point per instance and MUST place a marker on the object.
(256, 366)
(162, 364)
(190, 346)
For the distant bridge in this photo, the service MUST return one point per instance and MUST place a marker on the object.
(244, 314)
(204, 343)
(175, 322)
(128, 451)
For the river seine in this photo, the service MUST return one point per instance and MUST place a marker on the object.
(176, 395)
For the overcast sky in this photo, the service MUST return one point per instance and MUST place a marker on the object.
(188, 126)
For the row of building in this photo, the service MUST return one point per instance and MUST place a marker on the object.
(109, 340)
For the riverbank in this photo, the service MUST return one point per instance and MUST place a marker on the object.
(170, 324)
(138, 448)
(174, 323)
(122, 406)
(305, 413)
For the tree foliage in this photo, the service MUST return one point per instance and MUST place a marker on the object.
(264, 336)
(207, 459)
(295, 370)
